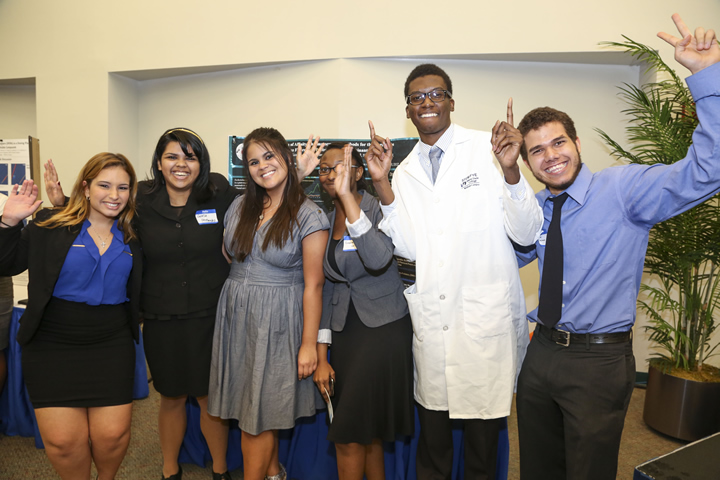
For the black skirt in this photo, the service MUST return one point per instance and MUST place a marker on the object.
(373, 381)
(81, 356)
(178, 352)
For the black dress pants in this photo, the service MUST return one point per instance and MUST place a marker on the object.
(571, 406)
(435, 446)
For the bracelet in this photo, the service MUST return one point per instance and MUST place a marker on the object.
(9, 226)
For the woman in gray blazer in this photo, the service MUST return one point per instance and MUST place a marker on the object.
(363, 305)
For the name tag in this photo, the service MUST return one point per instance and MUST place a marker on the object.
(205, 217)
(542, 239)
(348, 244)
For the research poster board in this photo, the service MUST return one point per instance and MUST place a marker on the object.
(14, 163)
(19, 159)
(237, 176)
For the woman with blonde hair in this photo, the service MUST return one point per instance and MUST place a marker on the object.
(77, 332)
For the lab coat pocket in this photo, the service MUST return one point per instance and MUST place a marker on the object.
(414, 301)
(486, 311)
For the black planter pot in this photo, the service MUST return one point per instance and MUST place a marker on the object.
(681, 408)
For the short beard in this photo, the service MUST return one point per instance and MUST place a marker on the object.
(564, 186)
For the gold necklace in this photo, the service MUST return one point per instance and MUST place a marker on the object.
(102, 241)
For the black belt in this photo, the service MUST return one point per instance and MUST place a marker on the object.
(561, 337)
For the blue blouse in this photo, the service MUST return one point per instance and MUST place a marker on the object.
(91, 278)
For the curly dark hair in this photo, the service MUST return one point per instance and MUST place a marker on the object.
(538, 117)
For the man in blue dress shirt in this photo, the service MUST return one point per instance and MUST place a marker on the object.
(577, 378)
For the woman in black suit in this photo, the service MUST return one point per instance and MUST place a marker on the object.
(77, 332)
(363, 304)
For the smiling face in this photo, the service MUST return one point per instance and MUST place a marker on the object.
(552, 156)
(267, 169)
(108, 193)
(178, 169)
(431, 119)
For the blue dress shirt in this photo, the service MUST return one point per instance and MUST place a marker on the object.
(91, 278)
(607, 218)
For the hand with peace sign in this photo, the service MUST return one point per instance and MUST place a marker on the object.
(506, 141)
(693, 52)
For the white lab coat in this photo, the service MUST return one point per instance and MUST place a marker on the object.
(467, 305)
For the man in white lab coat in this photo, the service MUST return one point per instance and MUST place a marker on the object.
(451, 211)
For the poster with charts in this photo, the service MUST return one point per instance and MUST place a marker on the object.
(237, 176)
(14, 163)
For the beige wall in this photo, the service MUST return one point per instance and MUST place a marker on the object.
(115, 75)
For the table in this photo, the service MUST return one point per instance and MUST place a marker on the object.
(695, 461)
(16, 412)
(307, 455)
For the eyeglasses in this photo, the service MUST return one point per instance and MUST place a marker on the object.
(418, 98)
(326, 170)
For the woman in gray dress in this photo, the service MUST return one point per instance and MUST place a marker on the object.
(264, 350)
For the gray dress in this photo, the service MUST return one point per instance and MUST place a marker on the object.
(258, 331)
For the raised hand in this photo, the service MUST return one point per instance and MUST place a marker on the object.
(342, 174)
(506, 141)
(21, 203)
(52, 185)
(379, 156)
(693, 52)
(309, 159)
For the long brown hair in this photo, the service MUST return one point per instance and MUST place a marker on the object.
(281, 224)
(78, 208)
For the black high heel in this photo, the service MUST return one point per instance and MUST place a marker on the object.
(177, 476)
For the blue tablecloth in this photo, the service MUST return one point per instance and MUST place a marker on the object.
(16, 412)
(307, 454)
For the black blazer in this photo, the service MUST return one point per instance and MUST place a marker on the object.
(42, 252)
(184, 266)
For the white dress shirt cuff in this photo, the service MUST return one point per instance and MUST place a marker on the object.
(361, 226)
(517, 191)
(324, 336)
(388, 209)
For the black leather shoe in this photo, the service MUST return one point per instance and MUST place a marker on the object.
(177, 476)
(222, 476)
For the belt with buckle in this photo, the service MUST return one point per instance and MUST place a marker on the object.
(561, 337)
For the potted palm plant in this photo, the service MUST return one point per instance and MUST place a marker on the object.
(682, 295)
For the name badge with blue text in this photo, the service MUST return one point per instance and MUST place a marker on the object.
(206, 217)
(348, 244)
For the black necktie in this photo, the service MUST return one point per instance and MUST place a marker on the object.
(551, 287)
